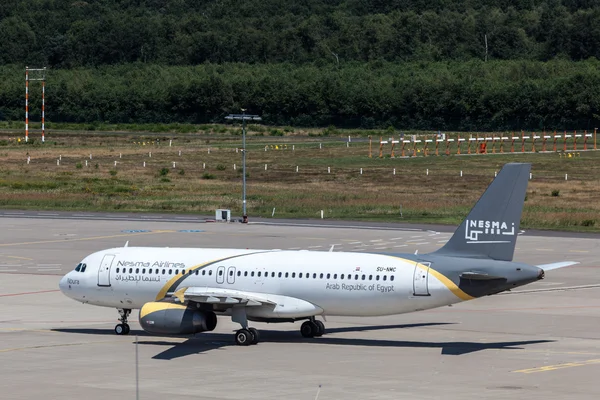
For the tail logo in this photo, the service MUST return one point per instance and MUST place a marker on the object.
(490, 231)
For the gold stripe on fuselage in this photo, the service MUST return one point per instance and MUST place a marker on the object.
(449, 284)
(172, 284)
(440, 277)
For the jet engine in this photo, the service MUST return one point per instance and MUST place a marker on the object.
(165, 318)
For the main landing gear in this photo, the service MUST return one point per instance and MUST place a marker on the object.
(312, 328)
(123, 327)
(245, 336)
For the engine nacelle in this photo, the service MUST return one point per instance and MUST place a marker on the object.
(165, 318)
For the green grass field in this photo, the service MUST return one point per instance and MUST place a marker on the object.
(204, 178)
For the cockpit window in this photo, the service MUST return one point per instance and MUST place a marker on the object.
(80, 267)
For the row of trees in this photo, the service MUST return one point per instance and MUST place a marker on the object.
(473, 95)
(68, 33)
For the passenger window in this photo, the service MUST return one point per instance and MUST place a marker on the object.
(143, 270)
(314, 276)
(163, 271)
(272, 274)
(300, 275)
(328, 276)
(334, 276)
(385, 277)
(287, 274)
(321, 276)
(210, 272)
(258, 274)
(183, 272)
(220, 272)
(203, 272)
(280, 274)
(137, 270)
(252, 273)
(130, 270)
(370, 277)
(377, 278)
(342, 276)
(363, 277)
(392, 278)
(239, 273)
(117, 270)
(176, 272)
(170, 271)
(245, 273)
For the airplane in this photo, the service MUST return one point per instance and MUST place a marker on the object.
(180, 291)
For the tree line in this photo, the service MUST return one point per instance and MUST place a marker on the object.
(76, 33)
(466, 96)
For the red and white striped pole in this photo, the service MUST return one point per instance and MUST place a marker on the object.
(43, 107)
(26, 104)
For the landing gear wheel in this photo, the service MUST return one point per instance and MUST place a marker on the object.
(255, 335)
(308, 329)
(122, 329)
(320, 328)
(244, 337)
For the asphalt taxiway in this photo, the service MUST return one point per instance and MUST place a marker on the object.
(540, 342)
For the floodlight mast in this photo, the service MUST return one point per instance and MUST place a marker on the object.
(243, 117)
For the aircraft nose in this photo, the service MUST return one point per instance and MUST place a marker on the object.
(63, 285)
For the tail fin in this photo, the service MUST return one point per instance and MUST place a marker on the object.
(490, 230)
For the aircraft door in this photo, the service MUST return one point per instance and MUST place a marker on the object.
(421, 279)
(104, 270)
(231, 275)
(220, 275)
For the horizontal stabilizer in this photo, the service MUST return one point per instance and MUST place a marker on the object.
(477, 276)
(557, 265)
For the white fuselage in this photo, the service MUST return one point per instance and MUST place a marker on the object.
(336, 283)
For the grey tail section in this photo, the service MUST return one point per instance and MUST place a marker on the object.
(491, 228)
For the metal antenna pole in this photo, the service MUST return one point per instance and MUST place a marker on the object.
(137, 375)
(35, 74)
(243, 117)
(244, 214)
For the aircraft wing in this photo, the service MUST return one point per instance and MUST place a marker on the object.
(261, 305)
(557, 265)
(219, 296)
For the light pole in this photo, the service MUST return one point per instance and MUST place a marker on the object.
(243, 117)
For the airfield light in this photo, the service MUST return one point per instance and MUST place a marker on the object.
(244, 117)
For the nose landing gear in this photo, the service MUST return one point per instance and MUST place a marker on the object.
(123, 327)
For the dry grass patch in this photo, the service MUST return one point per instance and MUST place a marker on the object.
(378, 194)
